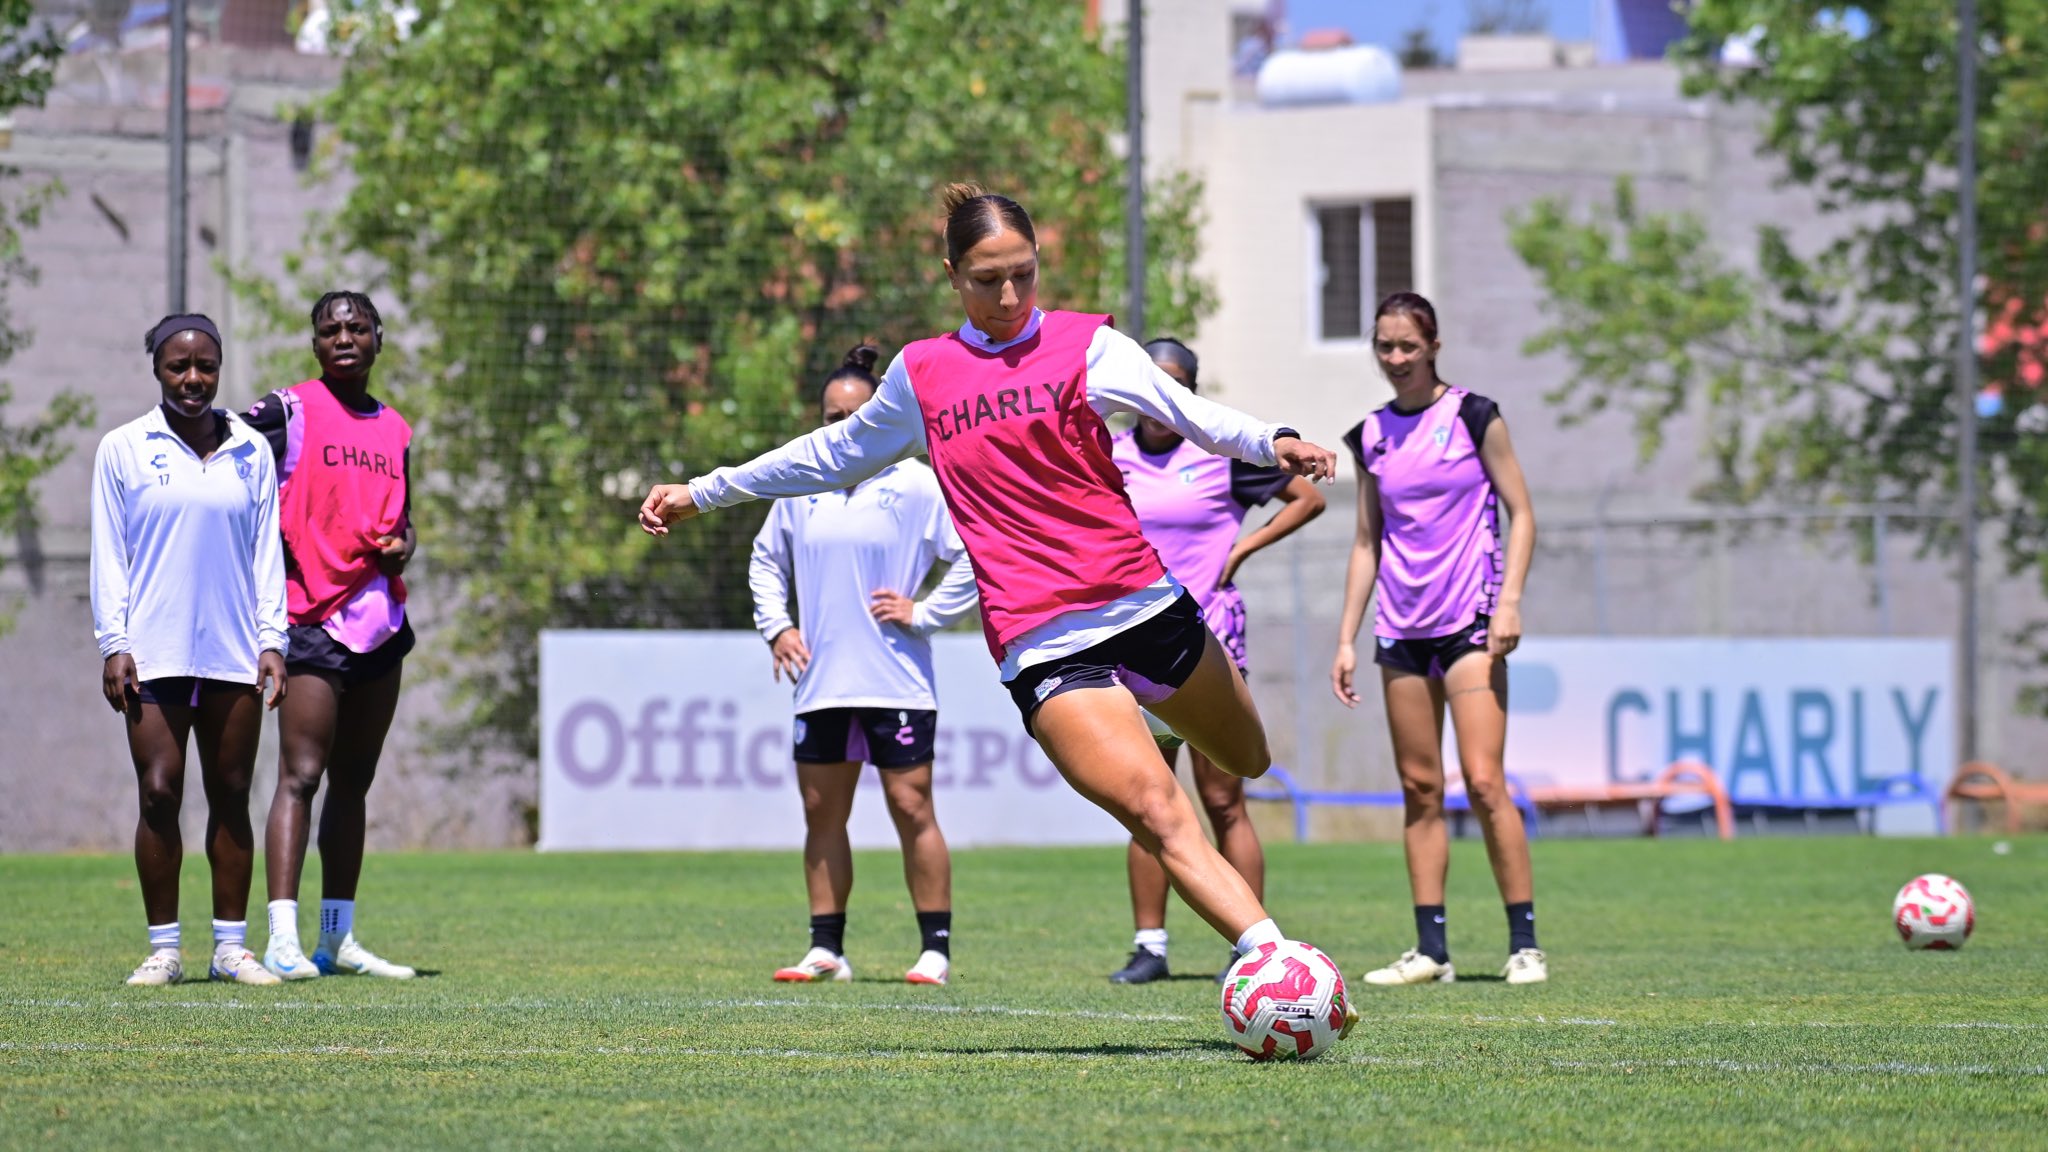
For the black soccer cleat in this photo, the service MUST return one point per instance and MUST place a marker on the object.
(1143, 968)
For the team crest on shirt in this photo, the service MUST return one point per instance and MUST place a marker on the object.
(1442, 436)
(1187, 475)
(885, 499)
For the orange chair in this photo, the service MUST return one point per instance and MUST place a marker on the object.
(1685, 778)
(1987, 783)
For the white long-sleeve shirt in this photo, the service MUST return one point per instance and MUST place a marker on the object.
(890, 427)
(187, 562)
(838, 549)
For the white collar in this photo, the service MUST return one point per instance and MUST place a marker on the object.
(980, 342)
(159, 424)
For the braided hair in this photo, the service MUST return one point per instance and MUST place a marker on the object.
(360, 302)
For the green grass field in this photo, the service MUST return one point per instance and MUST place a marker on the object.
(1702, 995)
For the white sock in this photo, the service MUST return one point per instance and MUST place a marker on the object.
(1152, 940)
(337, 920)
(163, 937)
(1264, 932)
(230, 935)
(284, 922)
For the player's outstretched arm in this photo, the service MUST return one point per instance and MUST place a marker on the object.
(1123, 378)
(884, 430)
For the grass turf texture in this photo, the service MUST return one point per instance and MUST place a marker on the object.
(1703, 995)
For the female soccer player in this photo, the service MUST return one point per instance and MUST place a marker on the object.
(1083, 620)
(188, 607)
(1433, 467)
(341, 456)
(1191, 505)
(862, 666)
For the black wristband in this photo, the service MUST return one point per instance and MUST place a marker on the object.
(1284, 430)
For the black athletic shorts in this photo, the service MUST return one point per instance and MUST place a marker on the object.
(1434, 656)
(184, 690)
(1152, 659)
(311, 649)
(884, 737)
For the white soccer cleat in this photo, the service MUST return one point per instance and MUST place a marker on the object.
(352, 959)
(817, 964)
(240, 966)
(1527, 967)
(163, 967)
(931, 968)
(1413, 968)
(285, 960)
(1163, 734)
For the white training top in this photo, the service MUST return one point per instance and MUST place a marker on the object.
(890, 427)
(883, 534)
(187, 562)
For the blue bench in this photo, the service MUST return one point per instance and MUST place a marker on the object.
(1900, 790)
(1289, 791)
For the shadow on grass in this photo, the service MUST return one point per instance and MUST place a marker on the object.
(1156, 1048)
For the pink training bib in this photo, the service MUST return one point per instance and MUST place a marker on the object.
(345, 488)
(1025, 465)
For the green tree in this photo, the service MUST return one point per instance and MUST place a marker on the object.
(1829, 373)
(627, 239)
(1418, 49)
(28, 450)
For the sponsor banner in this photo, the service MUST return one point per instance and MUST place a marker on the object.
(653, 740)
(1779, 720)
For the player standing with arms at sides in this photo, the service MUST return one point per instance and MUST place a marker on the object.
(1191, 505)
(188, 606)
(862, 666)
(343, 506)
(1082, 619)
(1434, 468)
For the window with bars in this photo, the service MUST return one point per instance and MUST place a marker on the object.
(1363, 251)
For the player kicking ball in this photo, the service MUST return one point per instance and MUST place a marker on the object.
(862, 666)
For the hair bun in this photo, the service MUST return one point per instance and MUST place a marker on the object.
(863, 357)
(957, 194)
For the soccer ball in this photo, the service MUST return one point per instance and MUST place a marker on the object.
(1168, 740)
(1284, 1001)
(1933, 911)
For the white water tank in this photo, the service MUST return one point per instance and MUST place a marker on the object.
(1359, 74)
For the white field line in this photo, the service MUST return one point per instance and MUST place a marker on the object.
(542, 1005)
(1731, 1067)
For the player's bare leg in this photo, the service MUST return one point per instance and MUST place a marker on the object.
(827, 791)
(927, 868)
(1476, 688)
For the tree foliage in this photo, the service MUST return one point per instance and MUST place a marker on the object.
(1829, 373)
(628, 238)
(28, 450)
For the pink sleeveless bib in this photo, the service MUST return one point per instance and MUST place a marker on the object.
(345, 489)
(1025, 465)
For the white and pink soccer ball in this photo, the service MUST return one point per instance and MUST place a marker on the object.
(1283, 1001)
(1933, 911)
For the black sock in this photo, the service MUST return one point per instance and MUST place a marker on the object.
(1429, 932)
(937, 930)
(829, 932)
(1521, 926)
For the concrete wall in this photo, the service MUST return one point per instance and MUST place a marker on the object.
(1264, 170)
